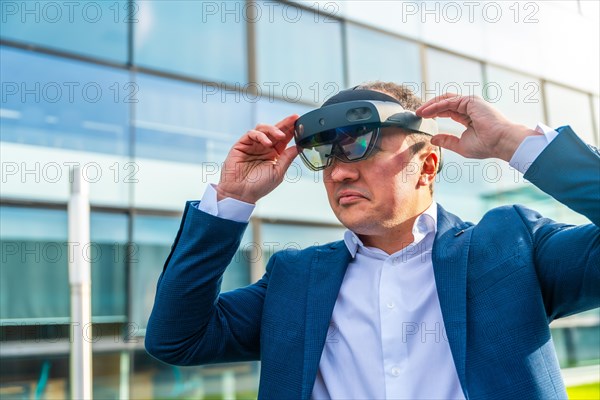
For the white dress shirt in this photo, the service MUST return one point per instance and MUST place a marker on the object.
(386, 337)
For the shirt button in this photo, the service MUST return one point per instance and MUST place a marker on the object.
(354, 240)
(395, 371)
(390, 304)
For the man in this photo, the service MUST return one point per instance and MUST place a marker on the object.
(414, 302)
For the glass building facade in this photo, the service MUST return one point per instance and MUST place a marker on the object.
(148, 96)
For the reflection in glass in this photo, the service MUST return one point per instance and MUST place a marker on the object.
(52, 102)
(450, 73)
(34, 275)
(401, 63)
(89, 28)
(202, 39)
(517, 96)
(570, 107)
(188, 123)
(299, 55)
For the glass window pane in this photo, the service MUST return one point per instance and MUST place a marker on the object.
(570, 107)
(153, 237)
(401, 63)
(34, 279)
(34, 274)
(57, 113)
(52, 102)
(203, 39)
(90, 28)
(109, 253)
(388, 15)
(298, 54)
(517, 96)
(183, 134)
(182, 122)
(450, 73)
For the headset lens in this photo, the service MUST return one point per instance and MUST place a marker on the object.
(348, 144)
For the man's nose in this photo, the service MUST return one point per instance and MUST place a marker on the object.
(340, 171)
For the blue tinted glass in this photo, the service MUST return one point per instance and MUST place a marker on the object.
(108, 255)
(34, 279)
(299, 53)
(47, 101)
(203, 39)
(152, 237)
(187, 122)
(401, 63)
(91, 28)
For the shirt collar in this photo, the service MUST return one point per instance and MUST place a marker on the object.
(424, 224)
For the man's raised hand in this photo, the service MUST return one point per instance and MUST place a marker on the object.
(488, 133)
(257, 162)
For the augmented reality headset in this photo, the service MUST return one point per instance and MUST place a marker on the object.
(347, 127)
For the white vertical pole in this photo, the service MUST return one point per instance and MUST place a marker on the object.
(124, 376)
(228, 385)
(80, 282)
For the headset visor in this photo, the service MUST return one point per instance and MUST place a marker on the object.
(349, 131)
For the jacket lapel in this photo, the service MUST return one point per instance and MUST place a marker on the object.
(450, 257)
(326, 275)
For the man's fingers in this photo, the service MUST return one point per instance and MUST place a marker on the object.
(273, 132)
(286, 158)
(440, 104)
(281, 133)
(456, 116)
(435, 100)
(446, 141)
(260, 137)
(286, 125)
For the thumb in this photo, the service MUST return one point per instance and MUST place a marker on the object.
(286, 158)
(446, 141)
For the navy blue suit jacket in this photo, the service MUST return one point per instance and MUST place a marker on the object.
(500, 283)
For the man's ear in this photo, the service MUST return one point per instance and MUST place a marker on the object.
(429, 168)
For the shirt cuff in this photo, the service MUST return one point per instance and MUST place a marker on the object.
(228, 208)
(532, 147)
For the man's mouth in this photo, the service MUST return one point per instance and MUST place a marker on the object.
(346, 197)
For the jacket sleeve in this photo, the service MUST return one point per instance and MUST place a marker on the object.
(567, 257)
(191, 323)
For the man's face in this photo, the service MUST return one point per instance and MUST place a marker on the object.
(372, 196)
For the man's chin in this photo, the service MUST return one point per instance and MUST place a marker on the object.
(360, 226)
